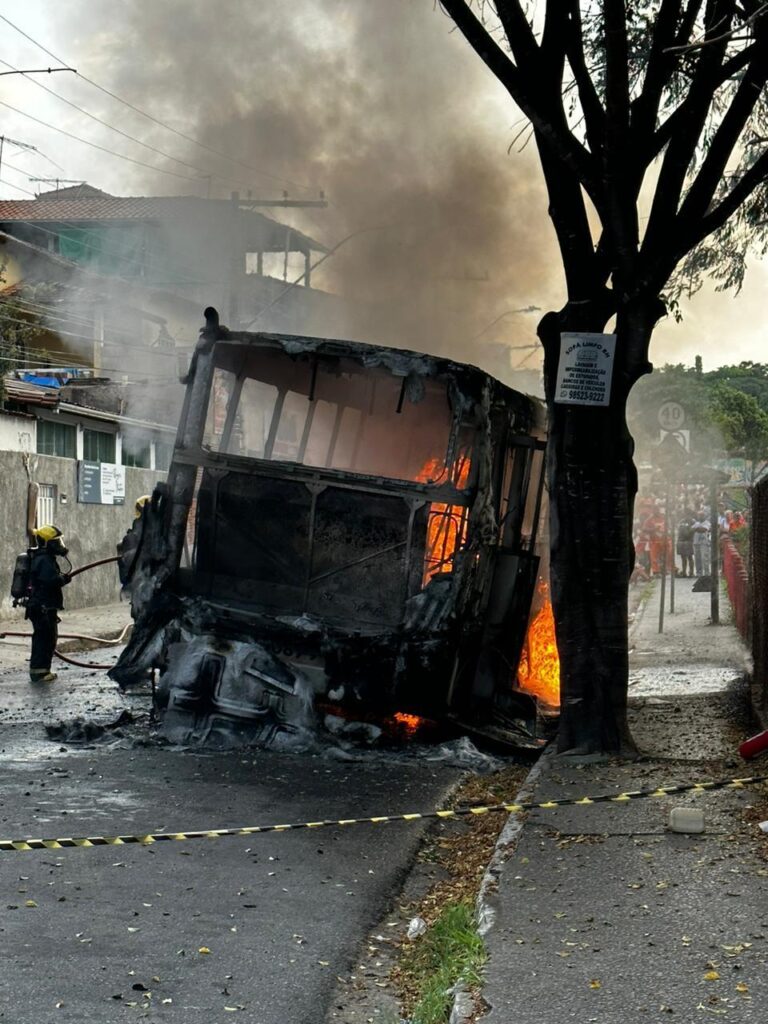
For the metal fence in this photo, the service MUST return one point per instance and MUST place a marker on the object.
(737, 582)
(759, 574)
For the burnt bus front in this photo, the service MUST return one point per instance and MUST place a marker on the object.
(342, 525)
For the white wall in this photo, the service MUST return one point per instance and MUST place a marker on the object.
(17, 433)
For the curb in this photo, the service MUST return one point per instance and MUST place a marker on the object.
(485, 909)
(505, 844)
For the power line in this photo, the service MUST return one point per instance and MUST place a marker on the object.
(71, 334)
(126, 135)
(52, 364)
(68, 318)
(74, 319)
(95, 145)
(19, 187)
(106, 124)
(113, 339)
(10, 184)
(37, 152)
(156, 120)
(42, 327)
(148, 262)
(112, 252)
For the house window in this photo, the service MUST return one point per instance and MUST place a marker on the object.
(56, 439)
(98, 446)
(163, 455)
(136, 453)
(46, 505)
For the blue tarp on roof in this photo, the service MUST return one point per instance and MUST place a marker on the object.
(44, 382)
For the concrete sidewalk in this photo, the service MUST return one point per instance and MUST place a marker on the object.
(602, 914)
(102, 621)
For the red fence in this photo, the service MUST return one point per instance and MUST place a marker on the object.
(737, 580)
(759, 567)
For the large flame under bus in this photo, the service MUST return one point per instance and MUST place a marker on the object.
(343, 526)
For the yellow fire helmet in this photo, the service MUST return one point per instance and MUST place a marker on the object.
(46, 533)
(140, 503)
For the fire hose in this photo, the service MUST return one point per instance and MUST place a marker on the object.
(81, 636)
(92, 565)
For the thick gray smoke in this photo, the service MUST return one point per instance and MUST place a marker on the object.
(378, 103)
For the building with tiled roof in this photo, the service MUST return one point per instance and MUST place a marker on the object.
(130, 265)
(133, 234)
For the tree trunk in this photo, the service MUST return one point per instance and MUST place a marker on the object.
(592, 485)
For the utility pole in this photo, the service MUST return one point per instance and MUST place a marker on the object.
(672, 534)
(664, 561)
(714, 556)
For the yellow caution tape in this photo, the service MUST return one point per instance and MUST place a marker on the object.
(10, 845)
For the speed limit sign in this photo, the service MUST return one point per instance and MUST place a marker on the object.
(671, 416)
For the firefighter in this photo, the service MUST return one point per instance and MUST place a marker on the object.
(129, 547)
(45, 600)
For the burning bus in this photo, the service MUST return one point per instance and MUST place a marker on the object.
(344, 527)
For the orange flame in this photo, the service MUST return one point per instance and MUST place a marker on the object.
(447, 524)
(409, 724)
(539, 669)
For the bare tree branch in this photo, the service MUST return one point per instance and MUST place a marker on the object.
(592, 108)
(568, 213)
(666, 131)
(726, 208)
(659, 69)
(518, 31)
(729, 35)
(616, 67)
(524, 92)
(682, 146)
(621, 182)
(725, 139)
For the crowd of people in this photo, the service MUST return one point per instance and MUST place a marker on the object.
(686, 536)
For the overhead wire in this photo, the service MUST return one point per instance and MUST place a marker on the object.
(148, 261)
(36, 152)
(65, 362)
(151, 259)
(73, 320)
(135, 378)
(28, 191)
(22, 170)
(111, 340)
(119, 131)
(156, 120)
(95, 145)
(56, 257)
(72, 334)
(117, 336)
(10, 184)
(41, 308)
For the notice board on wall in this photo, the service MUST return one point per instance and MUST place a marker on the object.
(100, 483)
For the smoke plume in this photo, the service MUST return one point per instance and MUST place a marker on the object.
(380, 105)
(384, 107)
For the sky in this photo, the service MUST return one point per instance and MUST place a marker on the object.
(377, 103)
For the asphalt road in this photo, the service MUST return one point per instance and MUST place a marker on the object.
(109, 934)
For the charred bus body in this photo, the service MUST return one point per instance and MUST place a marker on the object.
(342, 524)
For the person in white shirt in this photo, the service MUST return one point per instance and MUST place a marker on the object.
(701, 548)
